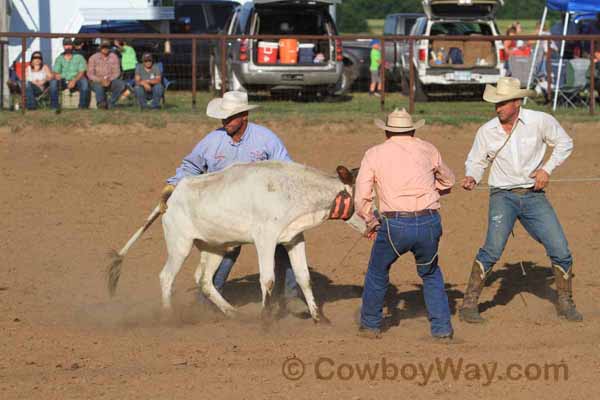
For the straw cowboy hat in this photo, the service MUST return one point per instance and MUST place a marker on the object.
(399, 121)
(506, 89)
(232, 103)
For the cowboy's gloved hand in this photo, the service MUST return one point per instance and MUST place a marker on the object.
(541, 179)
(164, 196)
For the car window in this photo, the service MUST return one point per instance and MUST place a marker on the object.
(282, 21)
(389, 26)
(217, 15)
(460, 28)
(408, 24)
(419, 26)
(195, 15)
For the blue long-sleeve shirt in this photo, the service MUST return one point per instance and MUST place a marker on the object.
(217, 150)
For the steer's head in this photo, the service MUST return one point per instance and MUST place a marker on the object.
(343, 206)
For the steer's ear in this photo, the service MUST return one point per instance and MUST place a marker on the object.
(345, 175)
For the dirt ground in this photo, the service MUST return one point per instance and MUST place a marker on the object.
(68, 196)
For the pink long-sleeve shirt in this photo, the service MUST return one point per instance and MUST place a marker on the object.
(407, 174)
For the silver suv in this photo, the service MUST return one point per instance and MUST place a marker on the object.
(319, 66)
(447, 66)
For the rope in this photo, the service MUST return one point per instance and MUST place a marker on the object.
(563, 180)
(387, 224)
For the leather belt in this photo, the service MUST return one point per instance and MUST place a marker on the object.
(405, 214)
(521, 190)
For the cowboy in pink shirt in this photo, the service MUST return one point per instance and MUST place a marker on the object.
(408, 177)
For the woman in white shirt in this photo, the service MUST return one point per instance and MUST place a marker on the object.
(37, 77)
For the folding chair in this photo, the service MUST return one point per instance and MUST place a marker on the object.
(519, 67)
(571, 92)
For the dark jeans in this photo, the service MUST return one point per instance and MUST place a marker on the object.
(32, 91)
(82, 86)
(420, 236)
(537, 216)
(283, 267)
(142, 95)
(116, 87)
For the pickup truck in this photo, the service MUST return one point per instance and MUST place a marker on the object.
(446, 66)
(396, 52)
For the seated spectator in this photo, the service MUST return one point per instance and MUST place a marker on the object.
(37, 77)
(69, 73)
(104, 73)
(148, 82)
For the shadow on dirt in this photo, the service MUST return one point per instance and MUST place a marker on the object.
(512, 282)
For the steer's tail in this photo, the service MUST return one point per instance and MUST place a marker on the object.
(113, 272)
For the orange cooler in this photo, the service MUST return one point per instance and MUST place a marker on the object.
(267, 52)
(288, 51)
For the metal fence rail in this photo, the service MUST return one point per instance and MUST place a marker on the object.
(222, 41)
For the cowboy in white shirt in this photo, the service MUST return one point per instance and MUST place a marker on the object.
(514, 144)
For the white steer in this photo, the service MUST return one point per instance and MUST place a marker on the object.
(263, 203)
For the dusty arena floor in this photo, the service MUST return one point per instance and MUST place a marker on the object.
(68, 196)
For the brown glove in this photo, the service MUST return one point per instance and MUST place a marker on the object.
(164, 196)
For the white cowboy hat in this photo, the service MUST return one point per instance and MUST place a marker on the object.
(399, 121)
(232, 103)
(507, 89)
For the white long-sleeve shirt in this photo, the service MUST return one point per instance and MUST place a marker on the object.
(524, 152)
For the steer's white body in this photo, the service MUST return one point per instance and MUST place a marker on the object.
(263, 203)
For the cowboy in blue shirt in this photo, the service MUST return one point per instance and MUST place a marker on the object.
(238, 141)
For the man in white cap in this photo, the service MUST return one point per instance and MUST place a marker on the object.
(514, 144)
(408, 176)
(238, 141)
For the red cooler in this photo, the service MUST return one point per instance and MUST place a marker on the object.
(267, 52)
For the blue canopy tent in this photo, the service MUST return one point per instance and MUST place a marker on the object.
(569, 7)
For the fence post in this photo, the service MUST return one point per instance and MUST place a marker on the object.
(223, 65)
(411, 77)
(194, 50)
(592, 78)
(382, 76)
(549, 71)
(23, 80)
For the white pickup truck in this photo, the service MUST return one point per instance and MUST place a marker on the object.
(447, 66)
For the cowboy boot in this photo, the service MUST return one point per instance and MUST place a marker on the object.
(469, 311)
(565, 306)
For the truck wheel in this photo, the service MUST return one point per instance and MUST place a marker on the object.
(349, 75)
(404, 85)
(420, 93)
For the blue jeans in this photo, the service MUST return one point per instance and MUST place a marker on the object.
(283, 267)
(420, 236)
(117, 86)
(81, 85)
(32, 92)
(537, 216)
(157, 93)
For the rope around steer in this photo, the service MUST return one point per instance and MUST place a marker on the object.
(563, 180)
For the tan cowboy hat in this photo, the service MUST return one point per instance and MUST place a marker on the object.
(232, 103)
(507, 89)
(399, 121)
